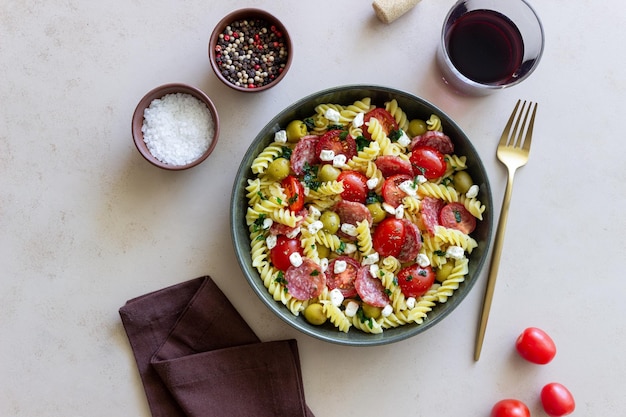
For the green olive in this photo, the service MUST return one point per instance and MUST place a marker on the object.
(278, 169)
(444, 271)
(416, 127)
(323, 251)
(462, 181)
(295, 130)
(328, 173)
(377, 211)
(314, 314)
(371, 311)
(331, 221)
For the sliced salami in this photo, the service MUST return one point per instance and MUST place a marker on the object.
(412, 242)
(435, 139)
(305, 281)
(342, 280)
(390, 165)
(304, 154)
(370, 289)
(456, 216)
(429, 212)
(352, 212)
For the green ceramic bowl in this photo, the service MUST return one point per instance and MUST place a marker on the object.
(415, 107)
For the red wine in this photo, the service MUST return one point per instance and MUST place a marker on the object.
(485, 46)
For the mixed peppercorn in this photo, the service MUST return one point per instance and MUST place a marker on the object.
(251, 53)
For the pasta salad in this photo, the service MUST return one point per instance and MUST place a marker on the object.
(361, 216)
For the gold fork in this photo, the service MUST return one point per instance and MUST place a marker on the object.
(513, 151)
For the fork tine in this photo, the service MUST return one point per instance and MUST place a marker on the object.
(529, 130)
(518, 131)
(506, 133)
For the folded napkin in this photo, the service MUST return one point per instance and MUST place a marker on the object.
(198, 357)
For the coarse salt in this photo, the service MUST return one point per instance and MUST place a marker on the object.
(177, 128)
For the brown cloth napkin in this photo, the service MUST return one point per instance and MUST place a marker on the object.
(197, 357)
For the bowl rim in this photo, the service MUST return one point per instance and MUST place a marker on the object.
(239, 14)
(161, 91)
(241, 240)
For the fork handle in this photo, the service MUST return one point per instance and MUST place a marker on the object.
(494, 264)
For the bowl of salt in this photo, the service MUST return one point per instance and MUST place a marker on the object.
(175, 126)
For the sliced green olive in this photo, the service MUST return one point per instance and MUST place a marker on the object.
(314, 314)
(416, 127)
(278, 169)
(462, 181)
(328, 173)
(444, 271)
(331, 221)
(377, 211)
(371, 311)
(323, 251)
(296, 129)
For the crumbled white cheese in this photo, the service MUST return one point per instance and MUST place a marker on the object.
(315, 227)
(327, 155)
(455, 252)
(350, 248)
(292, 234)
(314, 212)
(409, 187)
(410, 302)
(352, 308)
(271, 241)
(422, 260)
(399, 211)
(280, 136)
(336, 297)
(374, 269)
(267, 223)
(421, 179)
(349, 229)
(389, 208)
(340, 266)
(324, 264)
(339, 160)
(404, 140)
(372, 183)
(370, 259)
(387, 310)
(295, 259)
(358, 120)
(473, 191)
(332, 115)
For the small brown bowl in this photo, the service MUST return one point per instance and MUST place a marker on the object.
(158, 93)
(275, 42)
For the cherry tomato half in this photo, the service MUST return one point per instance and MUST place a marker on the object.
(557, 401)
(389, 237)
(338, 141)
(392, 194)
(279, 254)
(354, 186)
(386, 119)
(456, 216)
(295, 193)
(415, 280)
(428, 161)
(510, 408)
(344, 281)
(535, 346)
(393, 165)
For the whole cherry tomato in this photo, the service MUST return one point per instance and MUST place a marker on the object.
(510, 408)
(557, 401)
(428, 161)
(354, 186)
(415, 280)
(535, 346)
(389, 237)
(279, 254)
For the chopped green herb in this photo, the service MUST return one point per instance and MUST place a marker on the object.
(457, 216)
(439, 252)
(261, 196)
(395, 135)
(315, 273)
(293, 199)
(279, 200)
(422, 273)
(309, 123)
(285, 152)
(310, 177)
(395, 281)
(342, 248)
(446, 181)
(335, 127)
(280, 278)
(258, 223)
(361, 143)
(388, 292)
(343, 135)
(372, 198)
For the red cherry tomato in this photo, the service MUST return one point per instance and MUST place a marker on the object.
(386, 119)
(338, 141)
(354, 186)
(414, 280)
(456, 216)
(393, 165)
(535, 346)
(344, 281)
(428, 161)
(392, 194)
(295, 193)
(510, 408)
(557, 401)
(389, 237)
(279, 254)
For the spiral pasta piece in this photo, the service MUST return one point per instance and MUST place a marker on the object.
(398, 114)
(474, 206)
(348, 113)
(331, 241)
(456, 238)
(453, 280)
(367, 325)
(434, 123)
(267, 155)
(423, 305)
(327, 188)
(440, 191)
(364, 237)
(364, 156)
(336, 316)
